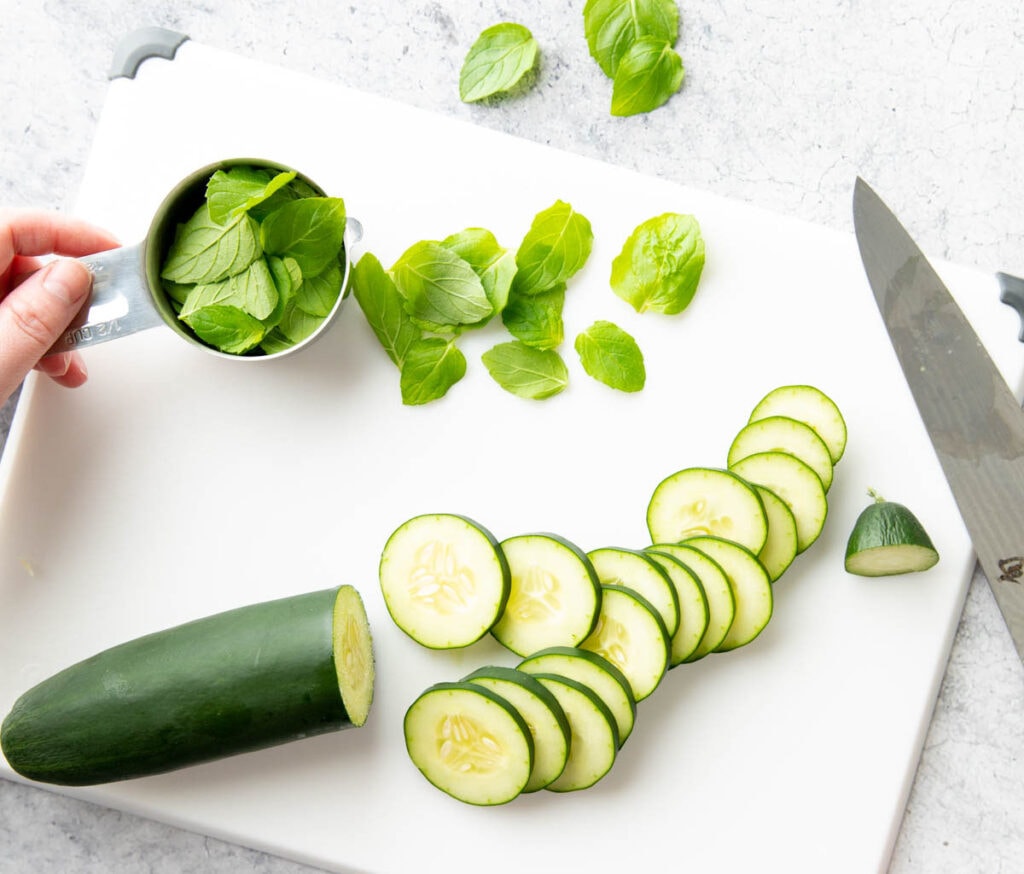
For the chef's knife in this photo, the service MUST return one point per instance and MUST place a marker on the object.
(975, 423)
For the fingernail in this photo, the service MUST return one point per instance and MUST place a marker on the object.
(67, 279)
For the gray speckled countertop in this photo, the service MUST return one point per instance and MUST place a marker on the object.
(783, 106)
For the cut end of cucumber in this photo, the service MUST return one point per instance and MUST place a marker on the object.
(888, 539)
(353, 654)
(885, 561)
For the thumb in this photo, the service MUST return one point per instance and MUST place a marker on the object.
(35, 314)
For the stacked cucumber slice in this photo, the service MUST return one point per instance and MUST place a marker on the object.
(597, 631)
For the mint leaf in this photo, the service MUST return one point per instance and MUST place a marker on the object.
(611, 356)
(647, 76)
(660, 264)
(204, 251)
(297, 325)
(494, 264)
(554, 249)
(497, 61)
(536, 319)
(253, 291)
(383, 308)
(318, 294)
(440, 289)
(275, 341)
(431, 367)
(525, 371)
(287, 279)
(227, 328)
(613, 26)
(239, 189)
(310, 230)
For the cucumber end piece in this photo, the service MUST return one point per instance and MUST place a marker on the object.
(353, 654)
(888, 539)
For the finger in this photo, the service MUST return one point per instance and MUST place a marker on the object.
(21, 268)
(36, 232)
(67, 369)
(33, 316)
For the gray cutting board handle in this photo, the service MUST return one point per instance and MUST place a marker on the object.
(1011, 292)
(137, 46)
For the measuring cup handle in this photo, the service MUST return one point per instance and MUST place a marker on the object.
(120, 302)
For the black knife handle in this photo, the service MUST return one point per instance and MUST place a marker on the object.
(1011, 292)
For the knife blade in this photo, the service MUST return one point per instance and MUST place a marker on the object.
(975, 423)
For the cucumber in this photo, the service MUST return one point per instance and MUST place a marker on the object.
(593, 671)
(544, 716)
(636, 571)
(595, 740)
(700, 500)
(714, 582)
(444, 579)
(796, 484)
(888, 539)
(783, 434)
(751, 585)
(241, 680)
(632, 636)
(810, 405)
(693, 606)
(470, 743)
(555, 597)
(781, 546)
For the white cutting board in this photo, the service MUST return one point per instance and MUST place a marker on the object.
(175, 485)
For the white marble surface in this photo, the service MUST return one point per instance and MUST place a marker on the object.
(783, 106)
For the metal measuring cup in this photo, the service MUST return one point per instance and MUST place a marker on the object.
(128, 295)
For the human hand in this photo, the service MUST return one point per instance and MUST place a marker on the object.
(38, 300)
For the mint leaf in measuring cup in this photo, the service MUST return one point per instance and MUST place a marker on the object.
(230, 192)
(310, 230)
(227, 328)
(205, 251)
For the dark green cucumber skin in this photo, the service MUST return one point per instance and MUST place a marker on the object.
(237, 681)
(886, 523)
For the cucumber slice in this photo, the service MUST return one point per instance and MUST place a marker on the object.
(721, 601)
(555, 597)
(796, 484)
(632, 636)
(470, 743)
(593, 671)
(751, 585)
(636, 571)
(783, 434)
(693, 606)
(544, 716)
(595, 740)
(444, 579)
(701, 500)
(810, 405)
(888, 539)
(781, 546)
